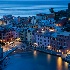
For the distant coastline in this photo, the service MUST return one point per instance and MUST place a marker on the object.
(30, 8)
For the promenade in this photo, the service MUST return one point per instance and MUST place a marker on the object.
(5, 54)
(51, 52)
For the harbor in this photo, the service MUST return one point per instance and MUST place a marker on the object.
(35, 60)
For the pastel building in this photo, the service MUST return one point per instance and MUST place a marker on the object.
(43, 39)
(26, 35)
(8, 35)
(29, 35)
(23, 34)
(61, 41)
(15, 34)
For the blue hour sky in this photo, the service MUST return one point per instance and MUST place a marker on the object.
(34, 0)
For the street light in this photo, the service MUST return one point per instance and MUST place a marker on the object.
(49, 47)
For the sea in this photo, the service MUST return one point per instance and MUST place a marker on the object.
(30, 8)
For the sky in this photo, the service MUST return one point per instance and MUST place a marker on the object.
(34, 0)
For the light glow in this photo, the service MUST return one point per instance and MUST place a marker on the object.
(59, 63)
(36, 44)
(51, 30)
(35, 53)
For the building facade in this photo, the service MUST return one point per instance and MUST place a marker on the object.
(61, 42)
(43, 40)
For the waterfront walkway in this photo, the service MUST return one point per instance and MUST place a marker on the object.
(51, 52)
(5, 54)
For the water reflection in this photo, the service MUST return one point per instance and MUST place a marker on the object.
(59, 63)
(35, 53)
(66, 65)
(34, 60)
(49, 57)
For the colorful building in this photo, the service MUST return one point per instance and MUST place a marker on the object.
(60, 41)
(43, 39)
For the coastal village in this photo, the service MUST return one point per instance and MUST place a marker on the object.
(43, 32)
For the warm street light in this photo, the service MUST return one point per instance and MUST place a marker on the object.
(49, 47)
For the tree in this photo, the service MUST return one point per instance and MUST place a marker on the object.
(51, 10)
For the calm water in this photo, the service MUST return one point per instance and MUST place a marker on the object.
(29, 8)
(34, 60)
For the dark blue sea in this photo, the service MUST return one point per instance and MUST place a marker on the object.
(34, 60)
(29, 8)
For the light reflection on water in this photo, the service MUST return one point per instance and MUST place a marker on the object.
(35, 60)
(49, 57)
(66, 65)
(59, 63)
(35, 53)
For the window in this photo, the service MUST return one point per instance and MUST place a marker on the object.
(59, 43)
(44, 40)
(48, 44)
(40, 39)
(44, 36)
(28, 30)
(54, 45)
(64, 44)
(30, 33)
(12, 35)
(48, 37)
(40, 42)
(45, 43)
(53, 38)
(26, 38)
(48, 40)
(65, 36)
(64, 40)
